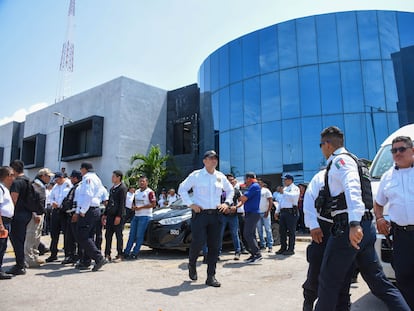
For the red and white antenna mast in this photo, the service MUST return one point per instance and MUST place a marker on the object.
(66, 60)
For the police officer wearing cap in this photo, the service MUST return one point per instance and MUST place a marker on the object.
(207, 185)
(287, 211)
(353, 234)
(397, 189)
(87, 214)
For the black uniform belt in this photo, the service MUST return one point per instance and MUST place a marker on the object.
(210, 211)
(6, 220)
(402, 228)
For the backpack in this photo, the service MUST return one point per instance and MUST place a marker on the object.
(35, 198)
(364, 179)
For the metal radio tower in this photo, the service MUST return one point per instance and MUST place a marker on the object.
(66, 60)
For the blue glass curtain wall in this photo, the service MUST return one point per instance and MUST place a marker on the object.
(275, 89)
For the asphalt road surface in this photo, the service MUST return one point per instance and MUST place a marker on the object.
(158, 280)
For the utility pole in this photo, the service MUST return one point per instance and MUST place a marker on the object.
(66, 60)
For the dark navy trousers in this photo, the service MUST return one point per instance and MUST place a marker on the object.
(205, 228)
(287, 228)
(86, 229)
(18, 234)
(337, 262)
(403, 263)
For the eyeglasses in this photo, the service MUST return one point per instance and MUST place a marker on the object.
(399, 149)
(323, 143)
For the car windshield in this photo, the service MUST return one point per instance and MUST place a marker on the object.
(178, 204)
(382, 162)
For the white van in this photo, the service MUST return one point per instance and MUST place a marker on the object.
(382, 162)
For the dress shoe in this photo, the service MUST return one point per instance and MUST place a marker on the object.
(98, 265)
(211, 281)
(51, 258)
(192, 272)
(15, 270)
(68, 260)
(288, 253)
(237, 256)
(280, 251)
(82, 266)
(5, 276)
(44, 251)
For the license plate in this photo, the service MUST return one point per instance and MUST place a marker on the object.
(174, 231)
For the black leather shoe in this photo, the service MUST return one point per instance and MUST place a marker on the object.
(280, 251)
(98, 265)
(288, 253)
(51, 258)
(192, 272)
(211, 281)
(15, 270)
(5, 276)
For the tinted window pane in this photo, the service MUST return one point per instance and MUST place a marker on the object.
(391, 96)
(236, 105)
(352, 89)
(406, 26)
(224, 109)
(373, 83)
(270, 97)
(330, 88)
(201, 78)
(224, 66)
(327, 39)
(347, 36)
(237, 154)
(268, 59)
(289, 91)
(311, 130)
(271, 142)
(368, 35)
(251, 55)
(309, 91)
(292, 141)
(354, 127)
(388, 32)
(305, 28)
(329, 120)
(251, 104)
(287, 44)
(214, 71)
(235, 61)
(215, 109)
(253, 152)
(207, 75)
(225, 152)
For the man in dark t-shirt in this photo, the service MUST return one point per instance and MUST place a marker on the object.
(21, 218)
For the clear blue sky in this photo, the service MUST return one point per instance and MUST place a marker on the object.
(158, 42)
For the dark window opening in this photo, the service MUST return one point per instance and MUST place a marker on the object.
(83, 139)
(183, 133)
(33, 151)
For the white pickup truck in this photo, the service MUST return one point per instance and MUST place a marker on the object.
(382, 162)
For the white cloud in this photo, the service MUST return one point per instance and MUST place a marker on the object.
(20, 115)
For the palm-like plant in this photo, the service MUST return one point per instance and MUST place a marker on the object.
(153, 166)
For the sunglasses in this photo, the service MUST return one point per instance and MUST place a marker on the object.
(323, 143)
(399, 149)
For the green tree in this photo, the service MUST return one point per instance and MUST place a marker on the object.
(153, 166)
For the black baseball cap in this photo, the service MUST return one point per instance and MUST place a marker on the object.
(250, 175)
(210, 154)
(288, 176)
(77, 174)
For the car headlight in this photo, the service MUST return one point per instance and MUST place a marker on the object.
(174, 220)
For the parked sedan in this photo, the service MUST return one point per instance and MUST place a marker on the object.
(170, 228)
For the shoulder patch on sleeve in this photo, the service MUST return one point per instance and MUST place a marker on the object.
(340, 163)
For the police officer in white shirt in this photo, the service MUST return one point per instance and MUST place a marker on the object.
(397, 189)
(288, 214)
(6, 213)
(207, 185)
(319, 220)
(88, 199)
(353, 234)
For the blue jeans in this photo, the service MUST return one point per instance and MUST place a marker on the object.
(139, 225)
(266, 222)
(233, 222)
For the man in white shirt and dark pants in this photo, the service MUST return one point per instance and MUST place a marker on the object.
(207, 185)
